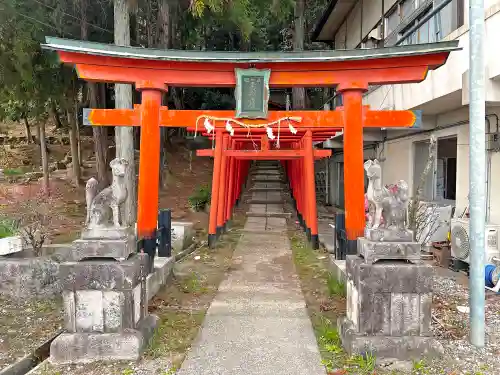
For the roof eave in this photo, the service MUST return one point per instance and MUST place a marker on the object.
(322, 21)
(66, 45)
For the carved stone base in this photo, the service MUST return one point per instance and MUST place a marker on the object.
(393, 347)
(373, 251)
(107, 233)
(119, 249)
(126, 345)
(388, 309)
(388, 235)
(104, 296)
(105, 311)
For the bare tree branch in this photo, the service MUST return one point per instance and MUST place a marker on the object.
(414, 205)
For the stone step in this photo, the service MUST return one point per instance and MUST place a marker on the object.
(268, 185)
(263, 231)
(285, 215)
(266, 169)
(257, 189)
(264, 201)
(267, 176)
(277, 179)
(277, 182)
(260, 178)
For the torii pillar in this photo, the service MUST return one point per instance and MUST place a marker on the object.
(353, 159)
(149, 163)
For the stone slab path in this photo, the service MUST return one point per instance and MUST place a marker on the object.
(258, 322)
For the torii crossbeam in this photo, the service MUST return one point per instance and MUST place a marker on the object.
(351, 72)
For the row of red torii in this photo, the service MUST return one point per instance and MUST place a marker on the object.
(235, 139)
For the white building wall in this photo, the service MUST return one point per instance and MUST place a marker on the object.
(443, 97)
(340, 41)
(399, 156)
(443, 87)
(359, 24)
(354, 27)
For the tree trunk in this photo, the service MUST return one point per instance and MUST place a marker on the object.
(175, 42)
(45, 157)
(28, 130)
(163, 24)
(164, 41)
(78, 143)
(149, 25)
(327, 106)
(55, 115)
(73, 140)
(100, 133)
(123, 99)
(299, 93)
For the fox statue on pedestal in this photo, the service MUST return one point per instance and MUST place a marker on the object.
(101, 204)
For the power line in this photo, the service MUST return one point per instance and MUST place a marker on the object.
(385, 97)
(74, 17)
(44, 23)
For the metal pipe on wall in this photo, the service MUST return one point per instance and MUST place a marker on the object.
(477, 172)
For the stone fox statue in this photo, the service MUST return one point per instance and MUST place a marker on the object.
(100, 205)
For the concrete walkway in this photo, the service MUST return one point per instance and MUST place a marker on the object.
(258, 322)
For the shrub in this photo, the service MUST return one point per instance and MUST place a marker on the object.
(8, 228)
(13, 172)
(200, 198)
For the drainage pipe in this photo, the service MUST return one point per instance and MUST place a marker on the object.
(477, 171)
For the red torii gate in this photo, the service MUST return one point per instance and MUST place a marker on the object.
(152, 71)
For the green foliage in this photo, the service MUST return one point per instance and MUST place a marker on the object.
(246, 18)
(364, 364)
(329, 343)
(193, 284)
(31, 79)
(420, 367)
(200, 198)
(128, 371)
(335, 287)
(13, 171)
(8, 228)
(174, 332)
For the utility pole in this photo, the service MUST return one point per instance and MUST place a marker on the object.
(477, 171)
(124, 136)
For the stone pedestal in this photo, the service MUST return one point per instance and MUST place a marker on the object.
(117, 243)
(105, 302)
(373, 251)
(388, 244)
(388, 309)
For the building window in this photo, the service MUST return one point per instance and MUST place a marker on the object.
(401, 11)
(438, 26)
(424, 34)
(407, 7)
(448, 19)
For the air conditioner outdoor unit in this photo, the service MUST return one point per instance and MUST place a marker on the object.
(460, 243)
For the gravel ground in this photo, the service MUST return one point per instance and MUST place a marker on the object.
(25, 325)
(159, 366)
(451, 328)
